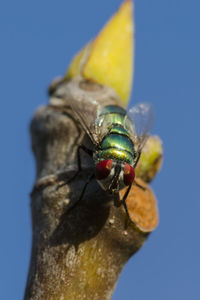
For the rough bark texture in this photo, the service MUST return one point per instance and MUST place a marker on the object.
(76, 254)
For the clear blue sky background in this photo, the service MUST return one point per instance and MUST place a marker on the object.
(38, 39)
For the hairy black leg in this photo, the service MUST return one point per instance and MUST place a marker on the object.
(139, 185)
(135, 164)
(124, 200)
(138, 157)
(72, 205)
(92, 176)
(86, 150)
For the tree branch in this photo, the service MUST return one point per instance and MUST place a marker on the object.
(77, 253)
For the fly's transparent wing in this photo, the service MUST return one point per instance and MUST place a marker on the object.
(141, 116)
(84, 106)
(86, 111)
(87, 107)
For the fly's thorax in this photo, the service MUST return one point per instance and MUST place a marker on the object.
(113, 175)
(115, 115)
(111, 114)
(114, 158)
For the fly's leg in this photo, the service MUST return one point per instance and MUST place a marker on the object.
(139, 185)
(72, 205)
(89, 152)
(124, 200)
(135, 164)
(126, 195)
(92, 176)
(137, 158)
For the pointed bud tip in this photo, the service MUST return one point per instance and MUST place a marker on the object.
(108, 60)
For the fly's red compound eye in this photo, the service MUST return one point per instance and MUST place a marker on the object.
(103, 169)
(129, 174)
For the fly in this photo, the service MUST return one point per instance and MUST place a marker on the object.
(118, 137)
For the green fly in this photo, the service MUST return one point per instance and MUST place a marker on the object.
(118, 137)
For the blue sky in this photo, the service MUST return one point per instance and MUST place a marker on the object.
(38, 39)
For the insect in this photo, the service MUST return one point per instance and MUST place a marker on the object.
(118, 137)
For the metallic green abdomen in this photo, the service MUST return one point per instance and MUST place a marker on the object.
(119, 142)
(117, 146)
(119, 130)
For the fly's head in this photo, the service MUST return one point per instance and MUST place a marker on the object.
(114, 175)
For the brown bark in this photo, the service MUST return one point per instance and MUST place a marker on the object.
(77, 253)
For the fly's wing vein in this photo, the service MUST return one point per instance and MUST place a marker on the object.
(86, 112)
(141, 116)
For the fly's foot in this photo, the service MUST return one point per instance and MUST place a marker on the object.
(139, 185)
(64, 180)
